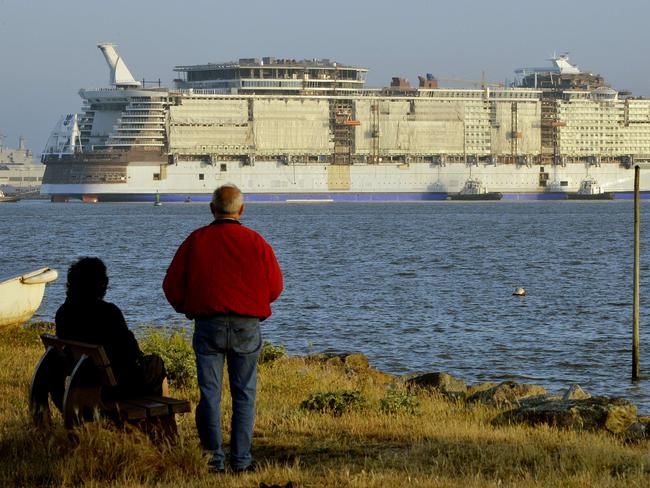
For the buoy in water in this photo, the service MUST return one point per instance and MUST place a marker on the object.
(519, 292)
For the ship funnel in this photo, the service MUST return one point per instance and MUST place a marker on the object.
(121, 77)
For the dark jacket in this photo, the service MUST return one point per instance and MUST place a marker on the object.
(98, 322)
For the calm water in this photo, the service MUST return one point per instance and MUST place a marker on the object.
(416, 287)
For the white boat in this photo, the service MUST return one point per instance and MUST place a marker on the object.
(4, 198)
(475, 190)
(21, 296)
(590, 190)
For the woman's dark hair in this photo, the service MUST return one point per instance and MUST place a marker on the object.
(87, 278)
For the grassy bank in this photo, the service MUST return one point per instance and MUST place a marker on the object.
(367, 432)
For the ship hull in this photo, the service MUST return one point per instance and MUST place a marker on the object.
(595, 196)
(272, 181)
(338, 197)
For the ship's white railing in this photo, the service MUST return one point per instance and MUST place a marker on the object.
(455, 93)
(366, 92)
(128, 92)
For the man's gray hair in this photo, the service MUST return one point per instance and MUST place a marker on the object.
(227, 199)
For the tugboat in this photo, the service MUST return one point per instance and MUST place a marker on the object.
(474, 190)
(590, 190)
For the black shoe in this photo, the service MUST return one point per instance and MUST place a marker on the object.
(215, 470)
(251, 468)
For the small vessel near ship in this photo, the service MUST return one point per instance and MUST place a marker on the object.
(295, 130)
(20, 175)
(475, 190)
(590, 190)
(6, 199)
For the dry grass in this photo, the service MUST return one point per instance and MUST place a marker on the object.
(445, 444)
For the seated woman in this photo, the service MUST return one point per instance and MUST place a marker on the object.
(86, 317)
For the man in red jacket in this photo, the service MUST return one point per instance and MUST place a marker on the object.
(225, 276)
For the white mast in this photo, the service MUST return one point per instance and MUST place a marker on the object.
(121, 77)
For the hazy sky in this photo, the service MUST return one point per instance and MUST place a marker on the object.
(48, 47)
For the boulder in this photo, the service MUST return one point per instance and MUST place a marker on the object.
(506, 393)
(480, 387)
(575, 392)
(352, 360)
(636, 432)
(352, 363)
(355, 361)
(442, 382)
(615, 415)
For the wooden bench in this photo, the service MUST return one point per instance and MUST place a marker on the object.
(88, 371)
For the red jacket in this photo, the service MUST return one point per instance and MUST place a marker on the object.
(223, 267)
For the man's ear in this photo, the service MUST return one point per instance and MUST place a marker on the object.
(241, 209)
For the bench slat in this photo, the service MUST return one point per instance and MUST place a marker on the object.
(74, 350)
(126, 411)
(154, 409)
(175, 405)
(94, 351)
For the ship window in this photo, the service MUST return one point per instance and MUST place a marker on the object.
(201, 176)
(564, 183)
(156, 176)
(224, 167)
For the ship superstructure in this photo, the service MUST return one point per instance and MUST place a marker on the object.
(283, 129)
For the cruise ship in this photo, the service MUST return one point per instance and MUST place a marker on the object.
(310, 130)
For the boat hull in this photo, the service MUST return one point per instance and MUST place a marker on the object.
(493, 195)
(21, 296)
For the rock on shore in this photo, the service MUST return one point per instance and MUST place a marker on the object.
(444, 383)
(506, 393)
(529, 404)
(615, 415)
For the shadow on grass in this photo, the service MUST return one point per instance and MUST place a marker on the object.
(463, 458)
(95, 452)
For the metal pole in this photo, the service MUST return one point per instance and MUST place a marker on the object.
(635, 302)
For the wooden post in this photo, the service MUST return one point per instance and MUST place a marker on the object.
(635, 302)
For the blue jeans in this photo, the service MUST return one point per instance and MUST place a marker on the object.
(239, 340)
